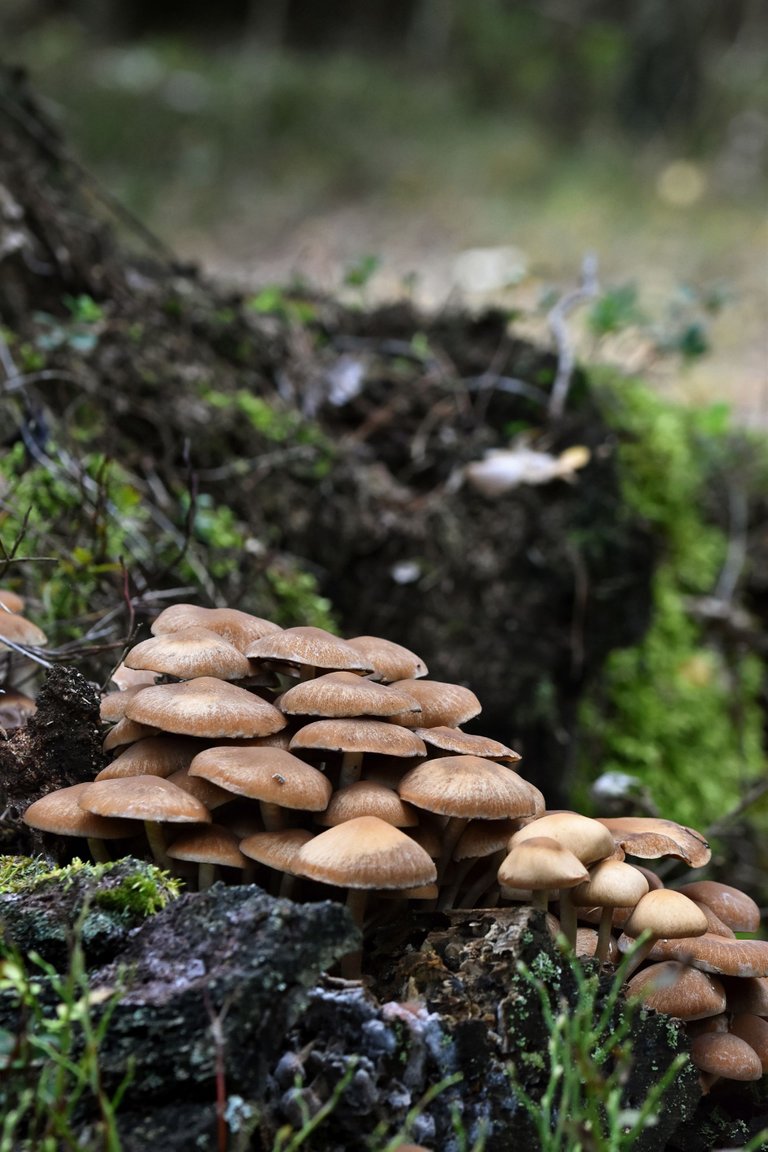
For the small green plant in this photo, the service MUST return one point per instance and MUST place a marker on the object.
(582, 1105)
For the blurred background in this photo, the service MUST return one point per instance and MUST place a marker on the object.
(449, 149)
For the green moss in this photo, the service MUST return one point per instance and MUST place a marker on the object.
(135, 892)
(676, 711)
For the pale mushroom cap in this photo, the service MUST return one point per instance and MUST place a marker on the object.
(20, 630)
(367, 798)
(749, 994)
(11, 601)
(650, 837)
(611, 884)
(754, 1030)
(466, 744)
(209, 845)
(276, 849)
(203, 790)
(153, 756)
(60, 812)
(113, 705)
(484, 837)
(468, 787)
(239, 628)
(586, 944)
(126, 678)
(442, 704)
(723, 1054)
(205, 707)
(539, 863)
(268, 774)
(127, 732)
(719, 954)
(340, 694)
(313, 647)
(737, 911)
(144, 798)
(359, 736)
(365, 853)
(678, 990)
(389, 661)
(189, 653)
(665, 913)
(586, 838)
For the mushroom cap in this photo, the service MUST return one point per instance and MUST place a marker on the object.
(60, 812)
(205, 707)
(737, 911)
(468, 787)
(276, 849)
(126, 678)
(484, 837)
(127, 732)
(650, 837)
(587, 940)
(441, 703)
(678, 990)
(312, 647)
(586, 838)
(209, 845)
(11, 601)
(203, 790)
(466, 744)
(538, 863)
(340, 694)
(365, 853)
(189, 653)
(719, 954)
(754, 1030)
(358, 736)
(144, 798)
(367, 798)
(389, 661)
(268, 774)
(153, 756)
(20, 631)
(611, 884)
(112, 705)
(239, 628)
(748, 994)
(723, 1054)
(665, 913)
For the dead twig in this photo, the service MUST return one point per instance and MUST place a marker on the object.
(556, 318)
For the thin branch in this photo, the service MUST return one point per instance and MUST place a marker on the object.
(556, 318)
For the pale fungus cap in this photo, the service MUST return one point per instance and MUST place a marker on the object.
(539, 863)
(11, 601)
(466, 744)
(203, 790)
(189, 653)
(20, 631)
(358, 736)
(153, 756)
(678, 990)
(276, 849)
(148, 798)
(127, 732)
(754, 1030)
(113, 705)
(267, 774)
(720, 954)
(586, 838)
(60, 812)
(469, 788)
(726, 1055)
(209, 845)
(126, 678)
(484, 837)
(446, 705)
(733, 907)
(239, 628)
(389, 661)
(345, 694)
(310, 647)
(666, 914)
(205, 707)
(365, 853)
(747, 995)
(650, 837)
(611, 884)
(367, 798)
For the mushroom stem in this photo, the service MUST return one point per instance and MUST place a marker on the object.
(351, 768)
(568, 917)
(540, 899)
(352, 962)
(98, 849)
(272, 815)
(484, 882)
(451, 836)
(157, 844)
(460, 871)
(641, 952)
(604, 935)
(206, 874)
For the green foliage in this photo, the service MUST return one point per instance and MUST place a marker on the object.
(614, 310)
(588, 1061)
(360, 272)
(140, 892)
(287, 305)
(297, 599)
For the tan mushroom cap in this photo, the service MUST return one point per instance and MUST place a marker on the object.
(737, 911)
(719, 954)
(466, 744)
(60, 812)
(15, 708)
(113, 704)
(203, 790)
(611, 884)
(205, 707)
(468, 787)
(666, 914)
(484, 837)
(714, 923)
(726, 1055)
(539, 863)
(389, 661)
(153, 756)
(148, 798)
(586, 838)
(747, 995)
(11, 601)
(19, 630)
(367, 798)
(442, 704)
(365, 853)
(358, 736)
(650, 837)
(190, 653)
(276, 849)
(126, 678)
(754, 1030)
(268, 774)
(345, 694)
(587, 940)
(311, 647)
(209, 845)
(239, 628)
(678, 990)
(127, 732)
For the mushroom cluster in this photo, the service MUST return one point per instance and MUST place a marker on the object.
(312, 764)
(17, 633)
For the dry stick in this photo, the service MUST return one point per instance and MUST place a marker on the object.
(566, 355)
